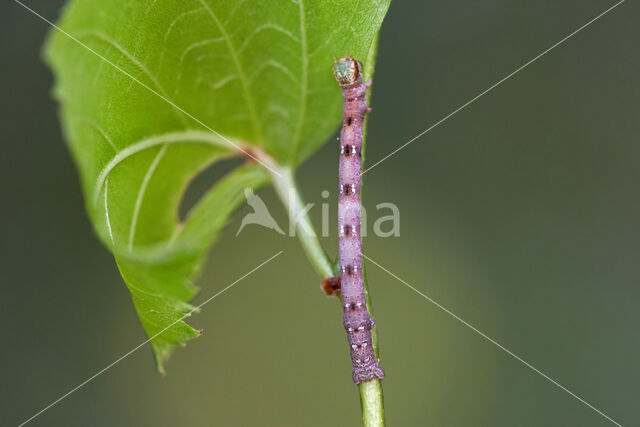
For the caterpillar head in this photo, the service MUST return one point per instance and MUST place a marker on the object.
(347, 70)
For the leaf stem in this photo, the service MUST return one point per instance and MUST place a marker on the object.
(371, 400)
(371, 403)
(287, 189)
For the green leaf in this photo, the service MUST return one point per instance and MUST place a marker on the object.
(256, 72)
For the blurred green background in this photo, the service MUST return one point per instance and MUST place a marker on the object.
(520, 214)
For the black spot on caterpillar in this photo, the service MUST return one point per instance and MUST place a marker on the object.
(349, 230)
(349, 270)
(349, 150)
(347, 189)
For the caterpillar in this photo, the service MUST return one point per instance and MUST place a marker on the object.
(356, 318)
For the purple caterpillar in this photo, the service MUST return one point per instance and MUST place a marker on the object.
(357, 320)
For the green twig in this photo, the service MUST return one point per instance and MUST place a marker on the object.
(370, 391)
(372, 403)
(287, 189)
(371, 398)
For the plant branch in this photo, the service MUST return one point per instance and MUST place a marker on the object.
(287, 189)
(371, 403)
(371, 398)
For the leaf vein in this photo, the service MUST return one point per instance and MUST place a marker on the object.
(178, 18)
(220, 83)
(297, 135)
(236, 60)
(268, 26)
(277, 65)
(189, 136)
(92, 123)
(141, 192)
(105, 38)
(106, 209)
(196, 45)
